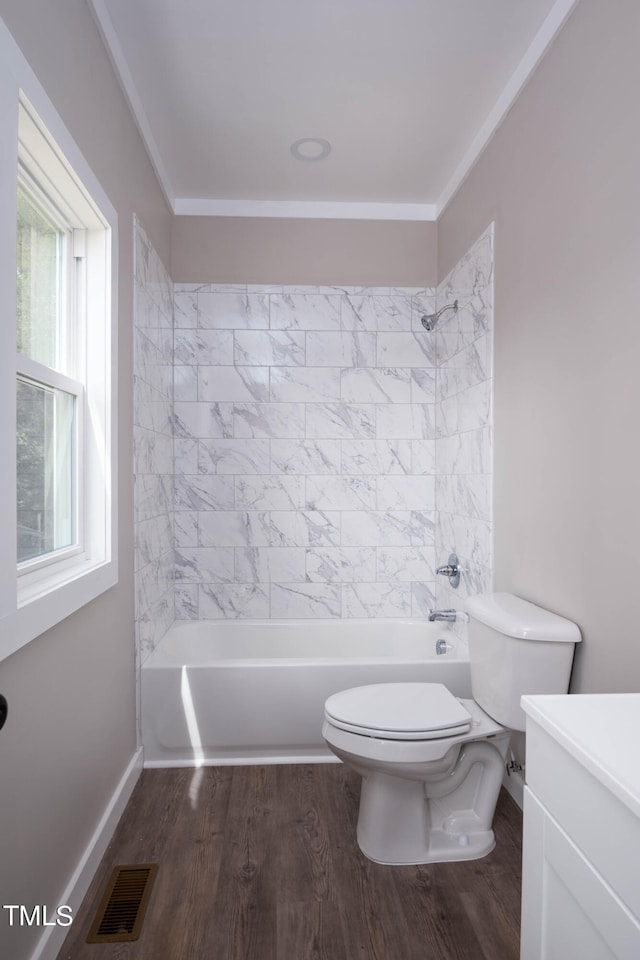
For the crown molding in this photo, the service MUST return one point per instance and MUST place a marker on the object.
(185, 206)
(121, 67)
(305, 209)
(545, 36)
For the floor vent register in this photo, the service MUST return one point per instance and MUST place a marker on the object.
(124, 903)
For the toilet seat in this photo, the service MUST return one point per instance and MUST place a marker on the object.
(399, 711)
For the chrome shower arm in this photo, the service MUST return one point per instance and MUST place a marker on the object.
(429, 320)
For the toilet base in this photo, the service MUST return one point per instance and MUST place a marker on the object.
(404, 821)
(442, 848)
(446, 852)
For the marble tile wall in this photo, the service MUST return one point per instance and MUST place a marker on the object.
(463, 446)
(314, 450)
(152, 446)
(305, 438)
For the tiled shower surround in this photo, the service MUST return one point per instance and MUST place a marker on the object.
(304, 425)
(464, 461)
(152, 445)
(328, 451)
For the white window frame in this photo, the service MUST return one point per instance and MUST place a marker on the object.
(47, 590)
(33, 183)
(30, 371)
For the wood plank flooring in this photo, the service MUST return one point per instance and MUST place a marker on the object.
(261, 863)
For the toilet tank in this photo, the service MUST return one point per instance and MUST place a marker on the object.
(515, 648)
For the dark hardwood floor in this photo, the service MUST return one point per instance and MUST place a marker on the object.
(261, 863)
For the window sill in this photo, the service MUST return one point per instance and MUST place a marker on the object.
(46, 597)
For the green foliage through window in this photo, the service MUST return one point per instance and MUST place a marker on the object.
(40, 258)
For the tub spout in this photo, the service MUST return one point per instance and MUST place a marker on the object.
(448, 615)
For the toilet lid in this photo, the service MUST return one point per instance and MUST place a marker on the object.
(398, 711)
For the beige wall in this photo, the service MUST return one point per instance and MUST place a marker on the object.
(561, 180)
(333, 252)
(71, 730)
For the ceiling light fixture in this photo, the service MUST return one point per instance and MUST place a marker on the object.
(310, 149)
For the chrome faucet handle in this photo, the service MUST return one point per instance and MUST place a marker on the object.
(451, 570)
(443, 646)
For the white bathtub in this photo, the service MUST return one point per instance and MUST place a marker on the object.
(253, 691)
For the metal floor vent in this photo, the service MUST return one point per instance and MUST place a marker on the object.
(124, 903)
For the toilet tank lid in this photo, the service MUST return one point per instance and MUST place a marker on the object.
(515, 617)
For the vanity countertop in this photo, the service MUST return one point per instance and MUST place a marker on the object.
(601, 731)
(581, 848)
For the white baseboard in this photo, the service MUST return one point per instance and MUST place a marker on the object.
(53, 937)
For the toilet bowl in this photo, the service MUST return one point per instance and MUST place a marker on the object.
(432, 765)
(431, 768)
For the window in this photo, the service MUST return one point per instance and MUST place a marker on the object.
(49, 316)
(46, 481)
(57, 433)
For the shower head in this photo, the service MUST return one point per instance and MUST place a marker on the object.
(429, 320)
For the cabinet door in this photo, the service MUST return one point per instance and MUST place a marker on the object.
(568, 911)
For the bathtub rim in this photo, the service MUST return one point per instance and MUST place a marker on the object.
(453, 666)
(161, 658)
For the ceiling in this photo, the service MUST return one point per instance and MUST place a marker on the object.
(407, 92)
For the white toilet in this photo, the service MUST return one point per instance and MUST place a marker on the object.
(432, 765)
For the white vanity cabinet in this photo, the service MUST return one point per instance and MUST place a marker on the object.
(581, 850)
